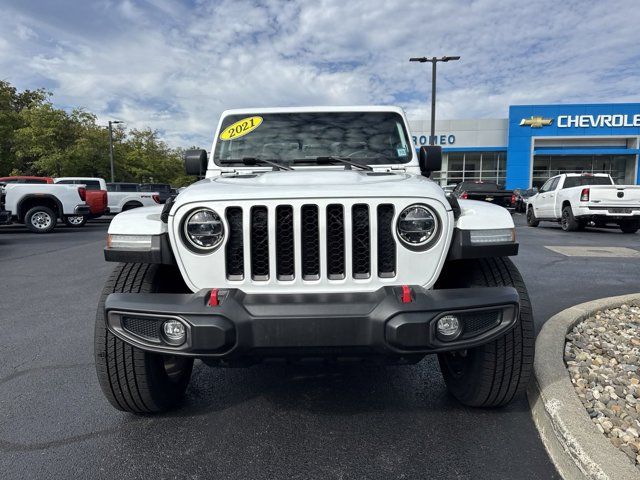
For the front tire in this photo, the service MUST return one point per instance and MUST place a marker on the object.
(75, 220)
(133, 380)
(490, 375)
(40, 219)
(532, 221)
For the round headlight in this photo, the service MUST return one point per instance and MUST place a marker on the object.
(203, 229)
(417, 226)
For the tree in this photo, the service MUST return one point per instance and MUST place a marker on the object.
(37, 138)
(12, 103)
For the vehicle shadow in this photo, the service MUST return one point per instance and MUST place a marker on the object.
(337, 390)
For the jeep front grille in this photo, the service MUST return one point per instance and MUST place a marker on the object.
(286, 241)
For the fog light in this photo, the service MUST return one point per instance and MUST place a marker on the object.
(448, 327)
(174, 332)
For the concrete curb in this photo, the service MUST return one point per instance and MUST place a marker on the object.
(573, 442)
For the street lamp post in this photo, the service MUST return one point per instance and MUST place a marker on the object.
(112, 122)
(433, 61)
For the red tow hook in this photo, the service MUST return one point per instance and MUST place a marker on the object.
(406, 294)
(214, 301)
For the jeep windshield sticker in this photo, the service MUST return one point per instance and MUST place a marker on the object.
(240, 128)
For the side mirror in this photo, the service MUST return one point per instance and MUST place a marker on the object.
(430, 159)
(195, 162)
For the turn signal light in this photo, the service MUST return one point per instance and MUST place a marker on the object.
(156, 198)
(464, 195)
(584, 196)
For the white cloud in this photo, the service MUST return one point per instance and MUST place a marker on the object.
(162, 64)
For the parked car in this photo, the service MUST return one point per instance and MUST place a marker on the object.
(324, 249)
(164, 190)
(522, 195)
(96, 198)
(486, 192)
(39, 206)
(126, 196)
(25, 179)
(575, 199)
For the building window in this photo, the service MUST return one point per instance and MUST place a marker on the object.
(546, 166)
(474, 166)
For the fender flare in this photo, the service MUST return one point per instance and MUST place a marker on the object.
(20, 214)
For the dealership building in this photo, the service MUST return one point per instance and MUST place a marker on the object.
(537, 142)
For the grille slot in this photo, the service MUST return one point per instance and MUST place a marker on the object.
(147, 328)
(475, 323)
(386, 242)
(361, 241)
(335, 242)
(259, 243)
(310, 236)
(234, 257)
(285, 263)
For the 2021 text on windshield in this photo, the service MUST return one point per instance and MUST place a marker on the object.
(364, 138)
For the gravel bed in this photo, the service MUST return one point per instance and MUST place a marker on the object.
(602, 354)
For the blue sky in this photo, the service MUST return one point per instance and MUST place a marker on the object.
(175, 66)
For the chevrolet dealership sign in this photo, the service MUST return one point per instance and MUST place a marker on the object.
(584, 121)
(596, 121)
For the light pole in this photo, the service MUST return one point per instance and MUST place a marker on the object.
(433, 61)
(112, 122)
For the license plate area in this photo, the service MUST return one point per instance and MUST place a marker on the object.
(620, 210)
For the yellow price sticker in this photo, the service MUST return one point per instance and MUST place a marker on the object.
(240, 128)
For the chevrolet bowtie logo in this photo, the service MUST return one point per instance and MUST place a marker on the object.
(535, 122)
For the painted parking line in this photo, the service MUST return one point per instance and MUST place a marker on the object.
(574, 251)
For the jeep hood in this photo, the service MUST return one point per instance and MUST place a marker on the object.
(311, 184)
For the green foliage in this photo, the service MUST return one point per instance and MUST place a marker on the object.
(37, 138)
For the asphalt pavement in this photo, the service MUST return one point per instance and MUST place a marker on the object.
(262, 422)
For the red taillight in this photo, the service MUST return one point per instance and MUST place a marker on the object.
(584, 195)
(83, 193)
(513, 199)
(464, 195)
(156, 198)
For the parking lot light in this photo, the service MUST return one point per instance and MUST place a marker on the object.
(433, 61)
(111, 123)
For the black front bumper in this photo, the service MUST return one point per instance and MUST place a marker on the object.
(312, 325)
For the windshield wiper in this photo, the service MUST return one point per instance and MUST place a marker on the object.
(348, 163)
(256, 161)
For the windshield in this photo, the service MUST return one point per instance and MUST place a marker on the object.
(366, 138)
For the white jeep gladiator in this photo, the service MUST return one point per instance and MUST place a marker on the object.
(39, 206)
(577, 199)
(316, 235)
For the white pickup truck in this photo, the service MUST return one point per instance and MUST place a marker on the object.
(577, 199)
(126, 196)
(39, 206)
